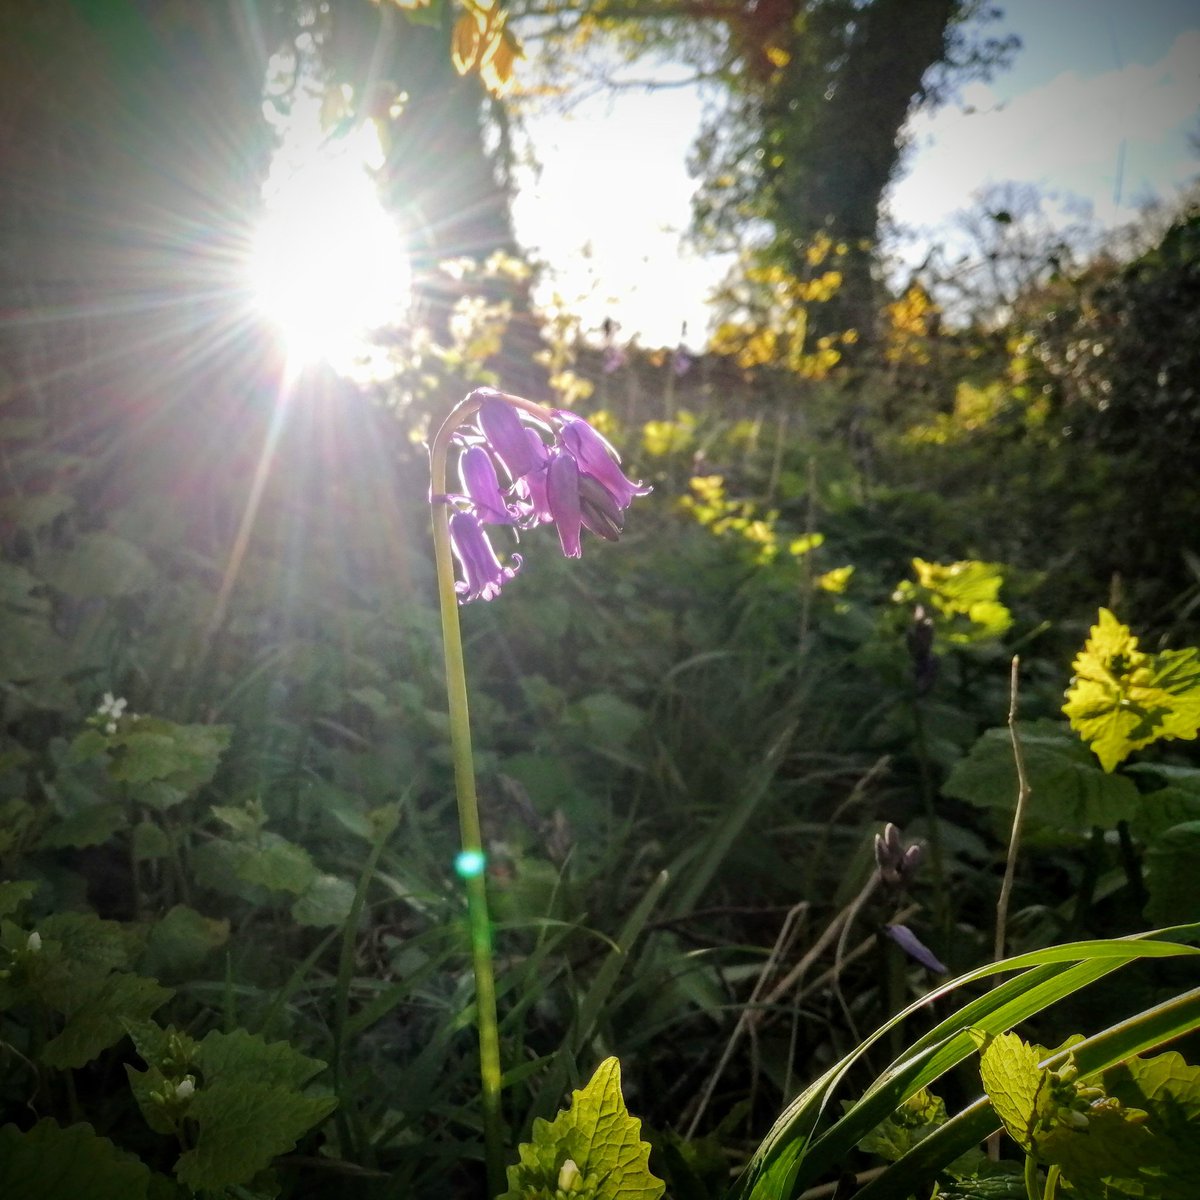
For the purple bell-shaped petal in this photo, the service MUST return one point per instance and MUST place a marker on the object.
(562, 499)
(483, 576)
(531, 487)
(506, 435)
(598, 459)
(482, 485)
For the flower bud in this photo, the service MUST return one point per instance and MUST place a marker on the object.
(569, 1176)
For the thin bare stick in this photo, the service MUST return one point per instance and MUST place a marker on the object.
(1014, 840)
(782, 945)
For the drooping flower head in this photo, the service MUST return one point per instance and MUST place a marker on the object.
(524, 465)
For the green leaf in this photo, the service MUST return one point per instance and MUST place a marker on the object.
(1067, 790)
(1016, 1085)
(149, 842)
(91, 826)
(14, 893)
(279, 865)
(155, 751)
(1172, 864)
(50, 1162)
(599, 1137)
(181, 941)
(915, 1119)
(99, 564)
(242, 1127)
(99, 1020)
(327, 901)
(248, 1108)
(32, 650)
(1122, 698)
(965, 595)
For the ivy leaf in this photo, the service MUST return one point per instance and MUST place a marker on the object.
(599, 1137)
(1067, 790)
(1122, 698)
(1016, 1085)
(50, 1162)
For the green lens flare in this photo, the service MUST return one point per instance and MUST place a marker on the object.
(469, 863)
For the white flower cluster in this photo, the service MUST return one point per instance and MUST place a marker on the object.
(112, 707)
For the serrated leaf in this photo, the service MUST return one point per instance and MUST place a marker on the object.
(181, 941)
(327, 901)
(278, 865)
(1015, 1084)
(99, 1019)
(87, 940)
(599, 1136)
(99, 564)
(149, 842)
(1067, 790)
(91, 826)
(240, 1056)
(1122, 698)
(964, 595)
(50, 1162)
(242, 1126)
(1172, 865)
(151, 750)
(147, 1086)
(913, 1121)
(14, 893)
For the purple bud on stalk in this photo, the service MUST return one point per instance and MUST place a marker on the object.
(483, 576)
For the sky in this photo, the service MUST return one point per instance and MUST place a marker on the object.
(1096, 110)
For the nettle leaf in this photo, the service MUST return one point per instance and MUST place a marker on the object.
(914, 1120)
(242, 1127)
(1176, 802)
(1122, 698)
(99, 564)
(278, 865)
(965, 595)
(14, 893)
(50, 1162)
(599, 1137)
(248, 1108)
(91, 826)
(181, 941)
(1172, 865)
(99, 1018)
(1016, 1085)
(1068, 790)
(327, 901)
(1141, 1139)
(184, 757)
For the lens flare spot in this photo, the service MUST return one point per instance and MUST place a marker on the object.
(469, 864)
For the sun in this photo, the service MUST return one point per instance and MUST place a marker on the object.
(327, 265)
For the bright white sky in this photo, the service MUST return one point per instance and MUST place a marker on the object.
(1097, 109)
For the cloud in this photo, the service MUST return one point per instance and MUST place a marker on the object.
(1074, 134)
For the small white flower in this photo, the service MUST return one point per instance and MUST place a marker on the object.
(185, 1088)
(112, 706)
(569, 1176)
(34, 941)
(111, 727)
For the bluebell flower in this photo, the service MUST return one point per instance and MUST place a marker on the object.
(483, 575)
(559, 470)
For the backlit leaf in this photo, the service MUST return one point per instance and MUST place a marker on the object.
(50, 1162)
(599, 1137)
(1122, 698)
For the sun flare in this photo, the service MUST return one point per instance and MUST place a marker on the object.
(328, 265)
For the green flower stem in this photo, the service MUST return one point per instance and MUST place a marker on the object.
(474, 880)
